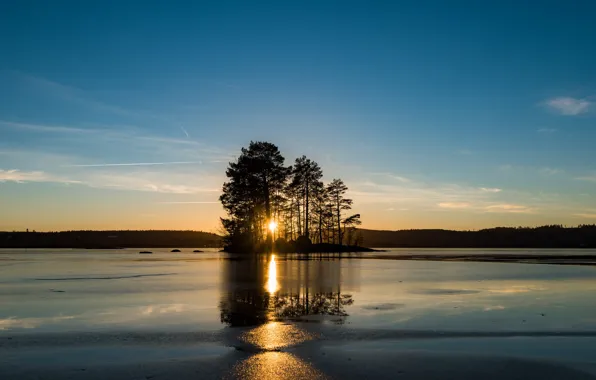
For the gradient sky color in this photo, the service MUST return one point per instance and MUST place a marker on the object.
(437, 114)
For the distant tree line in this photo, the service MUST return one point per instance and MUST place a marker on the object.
(551, 236)
(268, 202)
(110, 239)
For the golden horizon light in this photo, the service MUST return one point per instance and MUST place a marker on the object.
(272, 226)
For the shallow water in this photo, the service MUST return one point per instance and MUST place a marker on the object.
(122, 291)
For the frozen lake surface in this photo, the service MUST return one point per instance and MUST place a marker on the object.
(202, 305)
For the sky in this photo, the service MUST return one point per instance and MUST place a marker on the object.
(436, 114)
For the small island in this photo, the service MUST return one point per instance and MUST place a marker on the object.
(272, 207)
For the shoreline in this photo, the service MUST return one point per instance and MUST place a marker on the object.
(501, 258)
(376, 254)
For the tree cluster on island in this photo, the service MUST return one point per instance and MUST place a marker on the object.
(287, 208)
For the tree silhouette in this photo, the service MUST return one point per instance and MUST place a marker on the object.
(306, 180)
(337, 189)
(247, 197)
(350, 224)
(260, 190)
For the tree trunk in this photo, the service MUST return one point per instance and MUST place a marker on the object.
(268, 210)
(320, 226)
(306, 232)
(299, 214)
(339, 237)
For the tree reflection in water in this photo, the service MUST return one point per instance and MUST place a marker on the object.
(266, 288)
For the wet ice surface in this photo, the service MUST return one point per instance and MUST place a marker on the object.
(124, 291)
(122, 309)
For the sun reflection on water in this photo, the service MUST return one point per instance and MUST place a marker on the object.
(275, 365)
(276, 335)
(272, 284)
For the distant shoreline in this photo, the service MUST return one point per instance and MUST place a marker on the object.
(500, 258)
(545, 237)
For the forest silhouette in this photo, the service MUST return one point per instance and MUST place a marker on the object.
(554, 236)
(271, 206)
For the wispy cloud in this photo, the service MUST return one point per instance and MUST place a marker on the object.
(46, 128)
(487, 207)
(586, 215)
(454, 205)
(129, 139)
(509, 208)
(133, 164)
(15, 175)
(132, 181)
(185, 132)
(173, 183)
(550, 171)
(392, 176)
(19, 176)
(589, 178)
(546, 130)
(569, 106)
(424, 196)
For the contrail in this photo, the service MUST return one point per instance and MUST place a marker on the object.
(134, 164)
(184, 130)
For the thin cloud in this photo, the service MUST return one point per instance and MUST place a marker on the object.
(19, 176)
(546, 130)
(454, 205)
(185, 132)
(569, 106)
(133, 164)
(508, 208)
(149, 182)
(46, 128)
(586, 215)
(128, 138)
(550, 171)
(393, 177)
(490, 189)
(589, 178)
(15, 175)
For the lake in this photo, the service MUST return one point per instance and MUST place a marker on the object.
(216, 302)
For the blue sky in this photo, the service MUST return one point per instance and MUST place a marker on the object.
(460, 114)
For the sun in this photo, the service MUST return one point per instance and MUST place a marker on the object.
(272, 226)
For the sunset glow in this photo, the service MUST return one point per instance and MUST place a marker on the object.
(272, 226)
